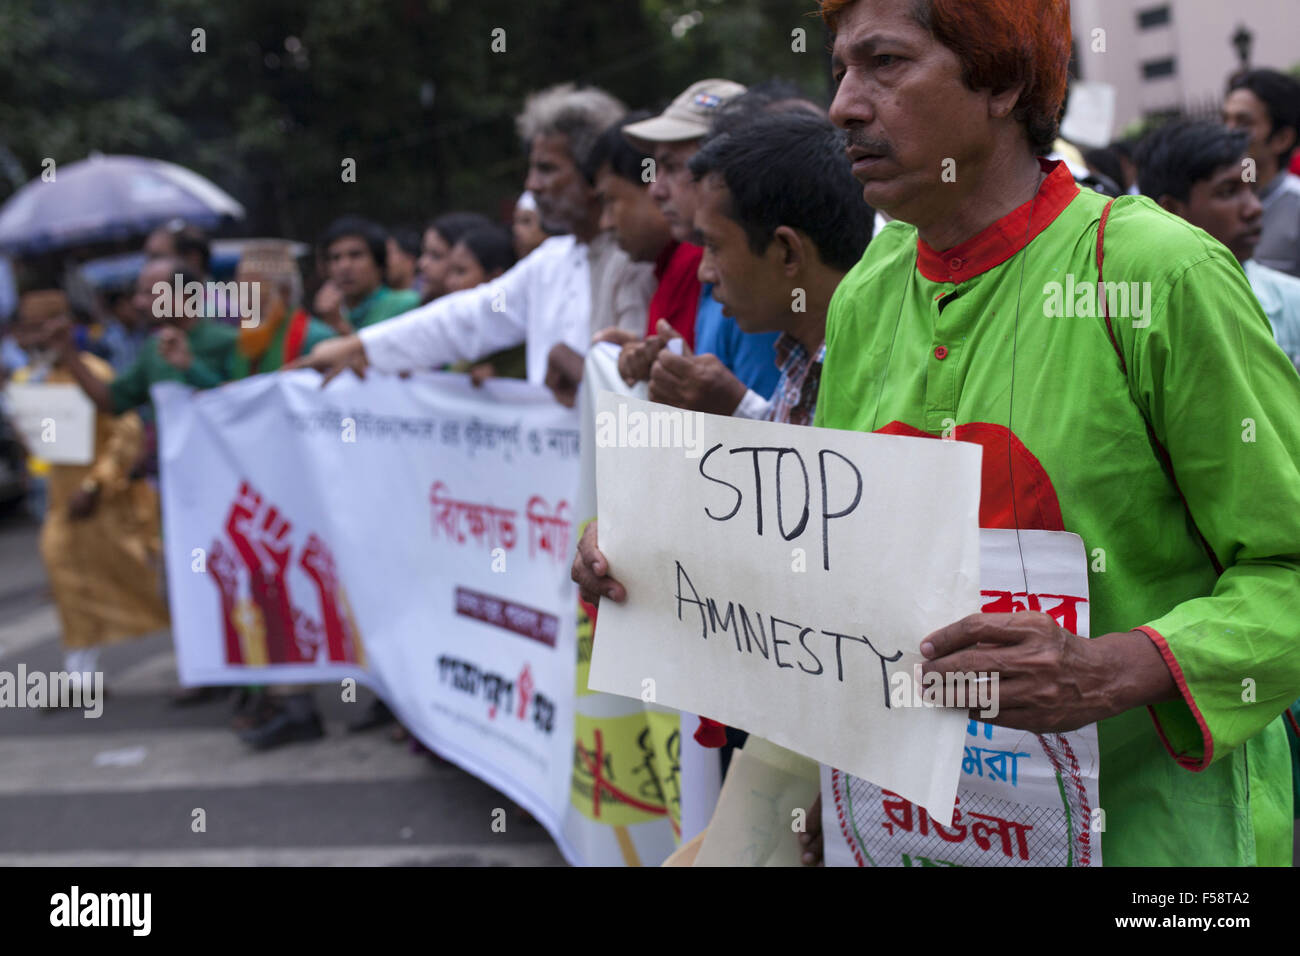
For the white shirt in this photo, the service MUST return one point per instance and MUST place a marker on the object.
(543, 300)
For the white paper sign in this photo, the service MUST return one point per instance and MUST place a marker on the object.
(57, 422)
(1090, 118)
(1024, 799)
(774, 571)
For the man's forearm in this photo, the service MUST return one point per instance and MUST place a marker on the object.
(1137, 673)
(95, 388)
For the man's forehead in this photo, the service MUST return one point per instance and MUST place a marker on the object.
(42, 303)
(867, 25)
(551, 146)
(1244, 101)
(1227, 173)
(681, 151)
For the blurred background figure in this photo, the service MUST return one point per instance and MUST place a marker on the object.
(527, 225)
(403, 254)
(435, 250)
(1266, 105)
(101, 537)
(480, 255)
(283, 330)
(357, 294)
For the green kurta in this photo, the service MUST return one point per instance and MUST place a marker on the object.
(274, 357)
(926, 341)
(213, 349)
(382, 304)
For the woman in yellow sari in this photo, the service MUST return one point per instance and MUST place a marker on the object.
(101, 540)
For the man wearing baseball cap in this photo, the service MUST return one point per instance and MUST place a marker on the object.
(672, 138)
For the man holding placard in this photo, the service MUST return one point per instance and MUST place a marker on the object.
(1156, 419)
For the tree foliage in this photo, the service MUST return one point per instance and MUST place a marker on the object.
(285, 90)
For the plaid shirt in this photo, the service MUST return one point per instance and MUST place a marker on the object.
(795, 398)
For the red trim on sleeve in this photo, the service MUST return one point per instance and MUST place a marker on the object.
(1188, 763)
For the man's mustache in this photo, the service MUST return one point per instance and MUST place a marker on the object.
(856, 138)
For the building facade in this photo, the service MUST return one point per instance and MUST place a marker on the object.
(1168, 55)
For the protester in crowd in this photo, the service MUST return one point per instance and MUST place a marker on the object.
(620, 174)
(526, 225)
(178, 239)
(547, 298)
(439, 236)
(1115, 402)
(356, 295)
(282, 331)
(125, 330)
(779, 232)
(100, 539)
(1194, 170)
(1266, 104)
(403, 253)
(480, 255)
(674, 137)
(781, 220)
(186, 348)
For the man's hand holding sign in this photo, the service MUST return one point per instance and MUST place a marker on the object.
(1051, 681)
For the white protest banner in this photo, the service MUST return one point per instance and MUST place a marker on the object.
(1024, 799)
(412, 534)
(57, 422)
(775, 572)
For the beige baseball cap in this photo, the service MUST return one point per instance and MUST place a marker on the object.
(687, 117)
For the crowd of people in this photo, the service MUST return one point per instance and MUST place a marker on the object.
(819, 268)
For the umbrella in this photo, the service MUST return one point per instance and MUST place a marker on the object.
(107, 198)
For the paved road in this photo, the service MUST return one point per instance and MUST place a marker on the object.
(122, 789)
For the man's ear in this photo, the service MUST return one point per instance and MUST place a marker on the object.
(1282, 141)
(791, 248)
(1003, 102)
(1176, 206)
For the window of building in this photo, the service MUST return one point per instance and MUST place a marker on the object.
(1153, 17)
(1154, 69)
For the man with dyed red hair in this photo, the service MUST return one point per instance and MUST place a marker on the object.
(1161, 426)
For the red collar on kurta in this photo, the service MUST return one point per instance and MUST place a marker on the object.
(1004, 238)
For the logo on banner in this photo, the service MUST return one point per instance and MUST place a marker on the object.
(518, 698)
(252, 566)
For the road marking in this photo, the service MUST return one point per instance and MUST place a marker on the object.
(35, 627)
(199, 758)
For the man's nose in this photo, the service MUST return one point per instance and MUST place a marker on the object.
(534, 182)
(1251, 208)
(707, 272)
(851, 105)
